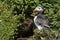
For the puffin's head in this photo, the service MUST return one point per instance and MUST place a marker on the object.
(38, 9)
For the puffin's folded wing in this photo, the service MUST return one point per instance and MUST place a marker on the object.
(42, 20)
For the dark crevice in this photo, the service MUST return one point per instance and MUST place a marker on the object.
(25, 30)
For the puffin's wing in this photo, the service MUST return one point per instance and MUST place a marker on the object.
(42, 20)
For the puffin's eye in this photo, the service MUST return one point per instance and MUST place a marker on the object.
(38, 8)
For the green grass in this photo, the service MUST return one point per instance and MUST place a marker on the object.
(9, 19)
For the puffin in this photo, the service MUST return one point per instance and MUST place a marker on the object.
(39, 20)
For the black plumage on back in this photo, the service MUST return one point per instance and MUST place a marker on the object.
(42, 20)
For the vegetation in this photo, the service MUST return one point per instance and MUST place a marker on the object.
(14, 12)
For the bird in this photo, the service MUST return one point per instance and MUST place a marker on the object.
(39, 20)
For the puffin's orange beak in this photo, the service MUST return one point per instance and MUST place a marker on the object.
(34, 10)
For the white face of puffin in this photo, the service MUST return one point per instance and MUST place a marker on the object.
(38, 9)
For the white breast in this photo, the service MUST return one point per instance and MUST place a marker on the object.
(37, 24)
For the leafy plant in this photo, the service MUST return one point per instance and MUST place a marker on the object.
(13, 11)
